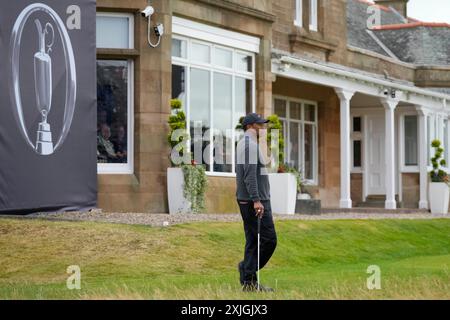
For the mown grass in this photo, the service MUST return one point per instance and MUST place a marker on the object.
(314, 260)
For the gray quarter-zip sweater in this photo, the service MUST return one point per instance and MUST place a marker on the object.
(251, 174)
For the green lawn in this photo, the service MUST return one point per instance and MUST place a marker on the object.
(314, 260)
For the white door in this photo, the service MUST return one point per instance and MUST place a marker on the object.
(376, 158)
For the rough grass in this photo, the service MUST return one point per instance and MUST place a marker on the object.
(314, 260)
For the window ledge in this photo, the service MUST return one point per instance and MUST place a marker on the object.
(311, 38)
(221, 174)
(119, 171)
(116, 53)
(409, 169)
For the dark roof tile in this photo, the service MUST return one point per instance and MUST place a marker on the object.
(419, 45)
(357, 28)
(411, 41)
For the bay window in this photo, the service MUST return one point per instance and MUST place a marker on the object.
(299, 119)
(216, 84)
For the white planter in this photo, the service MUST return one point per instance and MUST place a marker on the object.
(439, 197)
(303, 196)
(283, 192)
(175, 184)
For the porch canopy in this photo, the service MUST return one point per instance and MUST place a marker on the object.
(391, 94)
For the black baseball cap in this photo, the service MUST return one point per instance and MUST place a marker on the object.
(252, 118)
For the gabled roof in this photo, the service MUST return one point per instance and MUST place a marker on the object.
(408, 39)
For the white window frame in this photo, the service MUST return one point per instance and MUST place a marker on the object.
(124, 168)
(212, 69)
(220, 36)
(430, 136)
(130, 25)
(357, 136)
(446, 133)
(403, 167)
(298, 20)
(302, 122)
(438, 132)
(432, 133)
(313, 15)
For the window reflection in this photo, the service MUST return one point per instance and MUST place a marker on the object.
(200, 114)
(309, 151)
(216, 86)
(299, 121)
(223, 117)
(294, 145)
(411, 141)
(112, 109)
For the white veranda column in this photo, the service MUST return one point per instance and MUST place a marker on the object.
(345, 97)
(389, 142)
(423, 156)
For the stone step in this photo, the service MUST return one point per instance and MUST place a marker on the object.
(378, 197)
(375, 201)
(370, 204)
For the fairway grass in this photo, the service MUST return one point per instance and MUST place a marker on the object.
(313, 260)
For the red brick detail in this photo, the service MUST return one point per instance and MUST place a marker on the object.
(411, 25)
(413, 20)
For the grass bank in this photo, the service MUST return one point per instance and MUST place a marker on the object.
(314, 260)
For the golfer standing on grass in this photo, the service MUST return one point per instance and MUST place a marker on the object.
(253, 196)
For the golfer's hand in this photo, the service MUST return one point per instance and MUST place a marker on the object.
(259, 209)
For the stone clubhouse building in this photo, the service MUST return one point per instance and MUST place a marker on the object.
(361, 88)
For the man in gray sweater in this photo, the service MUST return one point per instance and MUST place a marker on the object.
(253, 196)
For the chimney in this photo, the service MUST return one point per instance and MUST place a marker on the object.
(400, 5)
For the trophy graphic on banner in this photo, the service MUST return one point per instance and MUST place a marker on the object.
(49, 31)
(44, 89)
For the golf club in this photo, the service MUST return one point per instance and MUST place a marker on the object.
(259, 243)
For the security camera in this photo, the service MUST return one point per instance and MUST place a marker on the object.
(393, 93)
(385, 92)
(148, 11)
(159, 30)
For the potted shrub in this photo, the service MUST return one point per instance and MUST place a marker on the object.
(439, 188)
(285, 181)
(301, 195)
(186, 181)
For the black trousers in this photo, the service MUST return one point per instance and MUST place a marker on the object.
(268, 238)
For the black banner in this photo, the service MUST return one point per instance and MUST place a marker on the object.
(47, 105)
